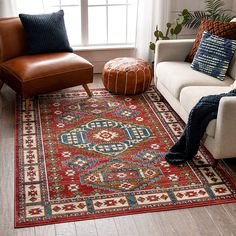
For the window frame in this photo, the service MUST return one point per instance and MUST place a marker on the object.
(83, 7)
(84, 22)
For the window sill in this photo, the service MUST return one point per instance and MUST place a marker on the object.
(99, 55)
(104, 47)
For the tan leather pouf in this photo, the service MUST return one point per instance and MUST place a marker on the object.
(127, 75)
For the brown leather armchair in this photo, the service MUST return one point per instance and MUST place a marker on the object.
(30, 75)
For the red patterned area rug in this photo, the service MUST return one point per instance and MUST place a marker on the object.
(79, 158)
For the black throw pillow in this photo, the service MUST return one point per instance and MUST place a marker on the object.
(46, 33)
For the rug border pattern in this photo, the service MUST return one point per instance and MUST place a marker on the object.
(98, 206)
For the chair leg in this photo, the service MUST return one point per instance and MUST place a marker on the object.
(87, 90)
(27, 105)
(1, 84)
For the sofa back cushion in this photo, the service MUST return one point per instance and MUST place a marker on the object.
(12, 38)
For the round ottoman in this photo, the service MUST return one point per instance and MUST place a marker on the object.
(126, 75)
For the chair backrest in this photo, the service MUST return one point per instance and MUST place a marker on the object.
(12, 38)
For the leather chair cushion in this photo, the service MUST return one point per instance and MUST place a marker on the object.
(46, 33)
(34, 74)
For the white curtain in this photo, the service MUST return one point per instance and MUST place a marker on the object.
(150, 14)
(7, 8)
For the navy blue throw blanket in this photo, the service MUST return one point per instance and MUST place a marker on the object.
(202, 113)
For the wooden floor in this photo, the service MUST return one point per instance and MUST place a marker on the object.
(212, 220)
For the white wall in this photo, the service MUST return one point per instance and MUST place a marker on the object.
(98, 57)
(178, 5)
(234, 5)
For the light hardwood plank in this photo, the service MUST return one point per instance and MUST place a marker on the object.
(146, 224)
(66, 229)
(25, 232)
(231, 210)
(106, 227)
(205, 224)
(180, 222)
(163, 225)
(7, 182)
(7, 116)
(126, 226)
(7, 231)
(86, 228)
(225, 224)
(45, 230)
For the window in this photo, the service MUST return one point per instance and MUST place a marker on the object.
(91, 22)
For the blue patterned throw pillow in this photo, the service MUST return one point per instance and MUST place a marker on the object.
(46, 32)
(214, 55)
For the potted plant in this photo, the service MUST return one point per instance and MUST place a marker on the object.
(172, 29)
(214, 11)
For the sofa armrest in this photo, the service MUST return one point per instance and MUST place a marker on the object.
(225, 135)
(172, 50)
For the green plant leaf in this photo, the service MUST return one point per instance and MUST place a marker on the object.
(173, 36)
(177, 29)
(194, 19)
(214, 11)
(152, 46)
(160, 34)
(156, 33)
(180, 20)
(185, 12)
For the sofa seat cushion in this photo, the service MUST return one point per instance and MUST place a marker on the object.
(35, 74)
(189, 97)
(177, 75)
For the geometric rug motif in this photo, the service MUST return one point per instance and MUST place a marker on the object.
(82, 158)
(120, 175)
(105, 136)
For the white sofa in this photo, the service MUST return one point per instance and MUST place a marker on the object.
(183, 87)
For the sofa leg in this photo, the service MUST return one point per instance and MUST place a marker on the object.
(215, 163)
(1, 84)
(27, 105)
(87, 90)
